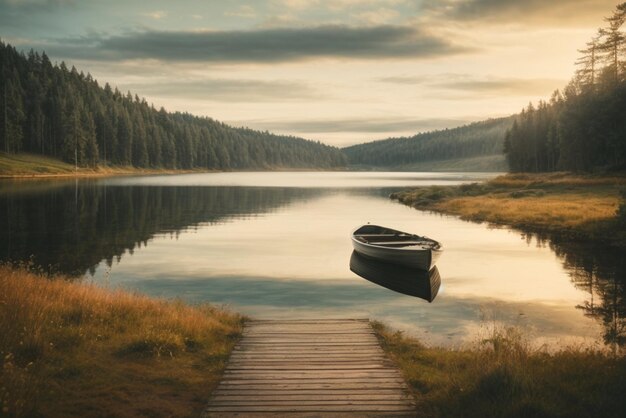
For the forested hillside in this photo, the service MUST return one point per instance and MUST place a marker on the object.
(583, 128)
(474, 140)
(55, 111)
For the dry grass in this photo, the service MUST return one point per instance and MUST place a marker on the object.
(566, 210)
(581, 206)
(72, 349)
(502, 376)
(559, 178)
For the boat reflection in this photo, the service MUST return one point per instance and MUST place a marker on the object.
(401, 279)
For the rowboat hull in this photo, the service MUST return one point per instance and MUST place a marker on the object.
(420, 257)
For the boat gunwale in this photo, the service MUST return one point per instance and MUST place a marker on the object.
(438, 247)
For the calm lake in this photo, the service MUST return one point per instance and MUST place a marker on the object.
(277, 245)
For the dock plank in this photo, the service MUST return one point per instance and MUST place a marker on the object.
(310, 367)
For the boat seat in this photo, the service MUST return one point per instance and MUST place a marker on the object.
(400, 243)
(376, 235)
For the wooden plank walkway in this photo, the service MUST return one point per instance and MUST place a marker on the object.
(310, 368)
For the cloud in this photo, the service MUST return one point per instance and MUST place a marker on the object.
(18, 13)
(488, 85)
(156, 15)
(227, 90)
(244, 11)
(296, 4)
(37, 3)
(509, 86)
(261, 45)
(335, 5)
(402, 80)
(559, 13)
(360, 125)
(378, 16)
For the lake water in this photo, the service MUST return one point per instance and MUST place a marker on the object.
(277, 245)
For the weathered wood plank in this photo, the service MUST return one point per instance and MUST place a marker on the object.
(310, 408)
(314, 402)
(294, 366)
(302, 397)
(306, 368)
(308, 328)
(269, 357)
(304, 414)
(310, 337)
(308, 362)
(311, 350)
(304, 344)
(355, 390)
(298, 361)
(311, 380)
(324, 382)
(329, 321)
(321, 374)
(337, 365)
(308, 331)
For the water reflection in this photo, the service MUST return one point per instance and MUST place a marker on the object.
(601, 272)
(408, 281)
(338, 179)
(70, 227)
(281, 251)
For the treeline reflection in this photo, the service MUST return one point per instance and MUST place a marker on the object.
(70, 228)
(601, 272)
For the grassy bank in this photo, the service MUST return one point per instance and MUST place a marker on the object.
(574, 205)
(72, 349)
(503, 377)
(37, 166)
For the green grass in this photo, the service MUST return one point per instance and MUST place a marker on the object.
(502, 376)
(70, 349)
(29, 164)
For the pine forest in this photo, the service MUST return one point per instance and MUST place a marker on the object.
(55, 111)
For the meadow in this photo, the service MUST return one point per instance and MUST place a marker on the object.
(26, 165)
(578, 206)
(502, 375)
(73, 349)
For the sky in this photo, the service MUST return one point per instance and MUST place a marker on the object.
(341, 71)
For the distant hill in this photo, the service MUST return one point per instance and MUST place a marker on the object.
(54, 111)
(475, 147)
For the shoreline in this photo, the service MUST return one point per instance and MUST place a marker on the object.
(30, 166)
(502, 375)
(155, 172)
(70, 348)
(97, 346)
(101, 174)
(564, 205)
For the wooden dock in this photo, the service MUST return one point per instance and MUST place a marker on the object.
(310, 368)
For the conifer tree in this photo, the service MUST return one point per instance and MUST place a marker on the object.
(61, 112)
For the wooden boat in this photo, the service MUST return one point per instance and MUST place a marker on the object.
(396, 247)
(406, 280)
